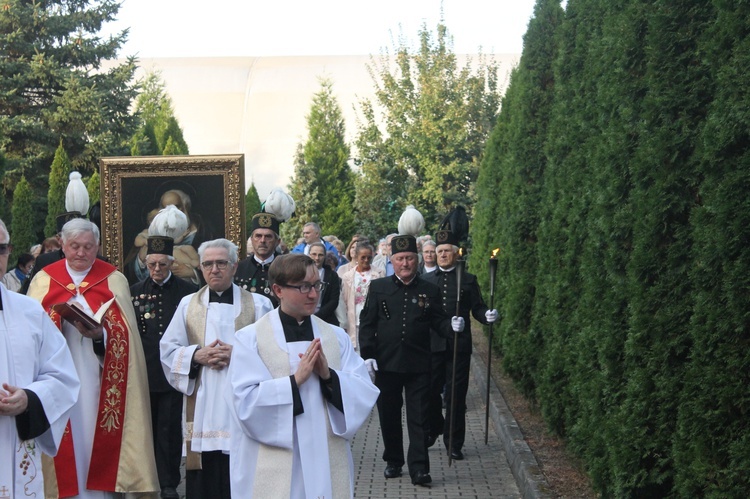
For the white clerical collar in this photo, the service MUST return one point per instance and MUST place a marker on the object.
(448, 269)
(264, 262)
(77, 275)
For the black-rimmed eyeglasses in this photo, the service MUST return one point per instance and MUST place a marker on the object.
(306, 287)
(5, 248)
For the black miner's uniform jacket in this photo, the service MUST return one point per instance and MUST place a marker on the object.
(471, 303)
(154, 308)
(395, 323)
(252, 276)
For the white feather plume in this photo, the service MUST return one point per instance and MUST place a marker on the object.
(76, 195)
(170, 222)
(281, 204)
(411, 222)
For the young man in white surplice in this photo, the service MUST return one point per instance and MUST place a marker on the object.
(300, 392)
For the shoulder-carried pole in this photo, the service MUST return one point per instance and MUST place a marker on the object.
(452, 406)
(493, 271)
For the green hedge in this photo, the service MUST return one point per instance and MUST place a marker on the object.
(617, 184)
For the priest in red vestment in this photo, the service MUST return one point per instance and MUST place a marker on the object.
(108, 448)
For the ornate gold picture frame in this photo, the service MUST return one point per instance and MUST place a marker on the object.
(209, 189)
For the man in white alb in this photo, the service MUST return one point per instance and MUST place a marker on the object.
(38, 387)
(195, 352)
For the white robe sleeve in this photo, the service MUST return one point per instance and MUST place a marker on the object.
(175, 351)
(56, 382)
(358, 393)
(264, 405)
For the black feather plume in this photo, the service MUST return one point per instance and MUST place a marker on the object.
(457, 222)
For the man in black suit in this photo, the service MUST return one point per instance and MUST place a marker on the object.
(329, 299)
(252, 272)
(155, 300)
(442, 348)
(394, 338)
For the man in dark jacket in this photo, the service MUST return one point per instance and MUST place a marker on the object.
(252, 272)
(394, 337)
(442, 348)
(155, 300)
(329, 298)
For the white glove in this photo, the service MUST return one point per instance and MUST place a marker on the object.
(491, 315)
(372, 367)
(457, 323)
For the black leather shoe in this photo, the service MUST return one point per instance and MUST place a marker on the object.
(431, 439)
(169, 493)
(392, 471)
(457, 455)
(421, 478)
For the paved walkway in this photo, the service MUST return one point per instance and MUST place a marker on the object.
(485, 473)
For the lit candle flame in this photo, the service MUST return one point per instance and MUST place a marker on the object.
(460, 252)
(495, 252)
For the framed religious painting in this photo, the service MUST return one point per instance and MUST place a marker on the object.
(208, 190)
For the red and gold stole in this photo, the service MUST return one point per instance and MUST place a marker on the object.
(105, 453)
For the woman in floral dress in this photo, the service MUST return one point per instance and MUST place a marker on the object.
(355, 284)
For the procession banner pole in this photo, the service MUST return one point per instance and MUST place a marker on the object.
(493, 271)
(451, 407)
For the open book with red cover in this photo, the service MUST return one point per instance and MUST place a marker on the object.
(72, 312)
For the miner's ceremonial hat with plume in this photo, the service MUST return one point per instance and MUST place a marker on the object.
(410, 225)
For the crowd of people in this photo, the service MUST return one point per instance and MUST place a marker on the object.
(258, 375)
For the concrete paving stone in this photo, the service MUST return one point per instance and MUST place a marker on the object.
(485, 473)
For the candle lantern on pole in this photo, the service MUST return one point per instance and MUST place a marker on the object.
(493, 273)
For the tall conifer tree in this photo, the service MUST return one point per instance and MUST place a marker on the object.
(665, 175)
(58, 184)
(53, 88)
(304, 191)
(252, 206)
(712, 442)
(93, 187)
(325, 169)
(159, 132)
(22, 228)
(508, 192)
(563, 210)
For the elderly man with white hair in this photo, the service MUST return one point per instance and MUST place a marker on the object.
(195, 352)
(155, 301)
(109, 447)
(470, 303)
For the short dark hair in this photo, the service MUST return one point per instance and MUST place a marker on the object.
(289, 268)
(25, 258)
(320, 245)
